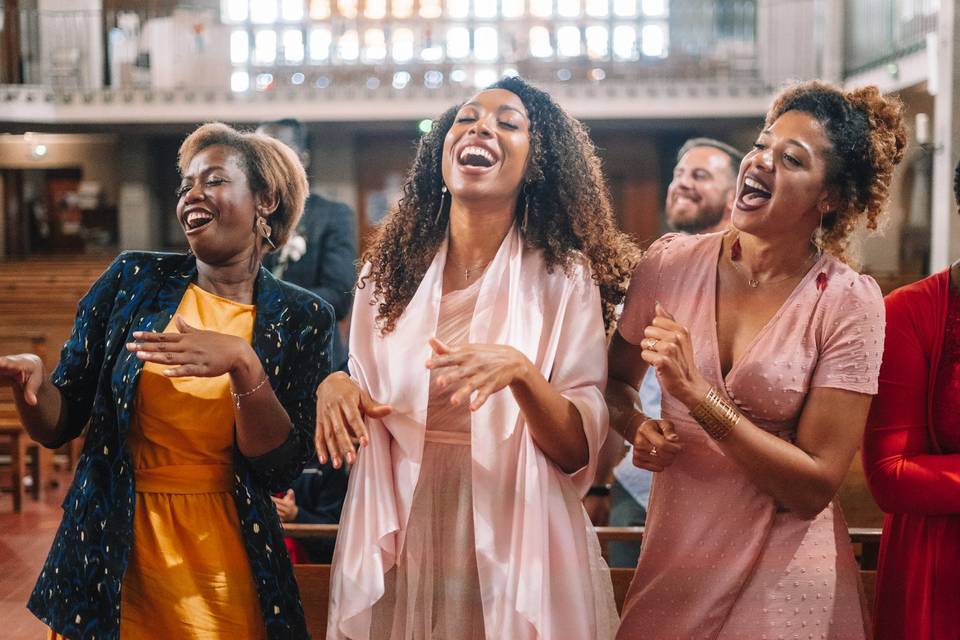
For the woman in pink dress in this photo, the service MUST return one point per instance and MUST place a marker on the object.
(767, 346)
(479, 325)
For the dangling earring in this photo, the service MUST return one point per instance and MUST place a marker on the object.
(818, 235)
(526, 211)
(264, 229)
(443, 196)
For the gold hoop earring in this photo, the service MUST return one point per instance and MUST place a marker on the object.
(443, 196)
(265, 230)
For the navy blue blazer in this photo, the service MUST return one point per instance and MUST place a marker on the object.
(78, 592)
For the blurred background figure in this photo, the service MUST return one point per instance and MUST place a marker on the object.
(316, 497)
(321, 254)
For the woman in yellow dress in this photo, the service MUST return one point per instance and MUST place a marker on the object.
(198, 373)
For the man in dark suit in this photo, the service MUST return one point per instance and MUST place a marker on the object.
(321, 254)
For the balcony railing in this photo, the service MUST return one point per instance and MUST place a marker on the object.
(272, 46)
(880, 31)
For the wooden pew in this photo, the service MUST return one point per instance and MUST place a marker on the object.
(314, 579)
(26, 458)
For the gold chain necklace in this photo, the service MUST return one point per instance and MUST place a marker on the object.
(752, 281)
(468, 270)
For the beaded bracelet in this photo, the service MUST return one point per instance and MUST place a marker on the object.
(237, 396)
(715, 415)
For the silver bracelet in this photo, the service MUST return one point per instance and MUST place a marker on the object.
(237, 396)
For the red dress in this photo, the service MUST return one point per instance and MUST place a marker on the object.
(912, 461)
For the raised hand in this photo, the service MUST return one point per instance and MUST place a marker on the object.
(341, 408)
(668, 348)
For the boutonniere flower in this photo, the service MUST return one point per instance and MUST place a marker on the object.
(290, 252)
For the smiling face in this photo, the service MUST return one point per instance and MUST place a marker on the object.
(782, 186)
(216, 207)
(485, 152)
(701, 192)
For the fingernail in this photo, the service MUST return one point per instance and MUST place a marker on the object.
(323, 459)
(363, 441)
(336, 462)
(168, 372)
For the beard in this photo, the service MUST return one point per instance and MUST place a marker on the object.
(706, 217)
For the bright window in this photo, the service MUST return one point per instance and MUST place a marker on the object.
(292, 10)
(320, 41)
(653, 40)
(598, 8)
(598, 42)
(348, 46)
(266, 47)
(624, 42)
(239, 81)
(347, 8)
(319, 9)
(402, 9)
(458, 8)
(512, 8)
(541, 8)
(568, 8)
(374, 45)
(540, 46)
(458, 42)
(568, 41)
(235, 10)
(402, 45)
(239, 47)
(625, 8)
(375, 9)
(485, 8)
(293, 45)
(263, 11)
(485, 45)
(430, 9)
(654, 8)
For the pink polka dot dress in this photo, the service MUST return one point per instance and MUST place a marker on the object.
(721, 560)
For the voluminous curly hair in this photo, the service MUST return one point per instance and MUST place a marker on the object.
(272, 168)
(867, 138)
(564, 194)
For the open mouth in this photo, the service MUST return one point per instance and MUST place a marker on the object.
(474, 156)
(753, 193)
(197, 219)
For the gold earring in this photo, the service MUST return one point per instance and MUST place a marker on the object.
(265, 230)
(443, 196)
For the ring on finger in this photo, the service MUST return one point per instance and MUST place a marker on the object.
(653, 451)
(651, 343)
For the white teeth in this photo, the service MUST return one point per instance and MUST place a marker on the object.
(753, 184)
(476, 151)
(198, 216)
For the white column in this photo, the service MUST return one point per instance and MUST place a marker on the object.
(945, 223)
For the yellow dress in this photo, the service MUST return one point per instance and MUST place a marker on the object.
(188, 575)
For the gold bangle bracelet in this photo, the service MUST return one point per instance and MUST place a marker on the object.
(715, 415)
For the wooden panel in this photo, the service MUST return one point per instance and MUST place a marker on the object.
(314, 583)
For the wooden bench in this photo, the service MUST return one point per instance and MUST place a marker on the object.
(314, 579)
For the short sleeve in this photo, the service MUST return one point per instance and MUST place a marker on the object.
(851, 346)
(642, 296)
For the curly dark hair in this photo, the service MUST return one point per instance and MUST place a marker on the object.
(564, 195)
(956, 184)
(867, 137)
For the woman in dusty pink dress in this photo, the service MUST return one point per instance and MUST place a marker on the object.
(477, 363)
(767, 347)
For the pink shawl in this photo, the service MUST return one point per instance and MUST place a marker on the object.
(541, 574)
